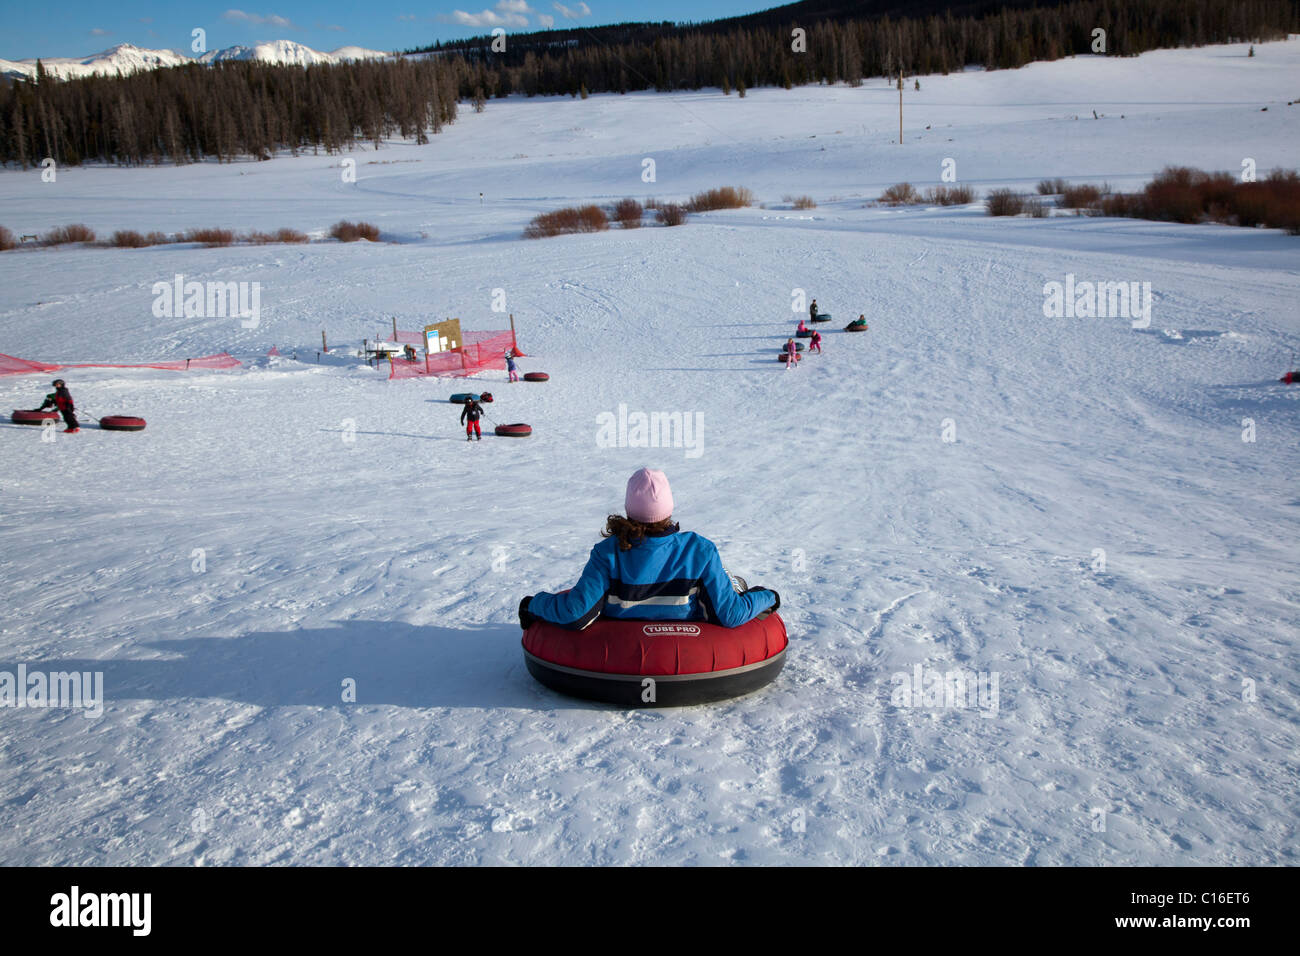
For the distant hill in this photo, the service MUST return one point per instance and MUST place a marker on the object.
(804, 13)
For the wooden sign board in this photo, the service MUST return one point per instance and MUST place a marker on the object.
(442, 337)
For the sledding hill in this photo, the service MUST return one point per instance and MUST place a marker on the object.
(1064, 505)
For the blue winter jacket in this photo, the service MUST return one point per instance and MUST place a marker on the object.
(671, 577)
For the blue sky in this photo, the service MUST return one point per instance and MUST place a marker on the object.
(81, 27)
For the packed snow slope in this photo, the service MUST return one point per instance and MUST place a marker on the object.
(1101, 518)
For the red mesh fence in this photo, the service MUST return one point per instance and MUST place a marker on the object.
(481, 350)
(16, 366)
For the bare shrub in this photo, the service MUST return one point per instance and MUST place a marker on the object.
(652, 203)
(1217, 191)
(290, 235)
(1285, 214)
(1250, 205)
(1080, 197)
(628, 212)
(671, 214)
(900, 194)
(66, 234)
(727, 197)
(157, 238)
(128, 239)
(1127, 205)
(1004, 202)
(1052, 187)
(6, 240)
(258, 238)
(568, 220)
(950, 195)
(1035, 207)
(804, 202)
(211, 238)
(1174, 195)
(1181, 194)
(345, 231)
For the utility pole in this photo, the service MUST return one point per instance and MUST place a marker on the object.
(900, 106)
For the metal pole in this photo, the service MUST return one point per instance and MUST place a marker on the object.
(900, 106)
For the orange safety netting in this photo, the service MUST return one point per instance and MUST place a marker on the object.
(480, 350)
(16, 366)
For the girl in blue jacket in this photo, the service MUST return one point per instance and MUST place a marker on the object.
(647, 569)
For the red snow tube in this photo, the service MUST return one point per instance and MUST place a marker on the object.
(656, 663)
(785, 357)
(855, 327)
(536, 377)
(23, 417)
(517, 430)
(1290, 378)
(121, 423)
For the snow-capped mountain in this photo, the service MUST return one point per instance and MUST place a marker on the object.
(126, 58)
(287, 51)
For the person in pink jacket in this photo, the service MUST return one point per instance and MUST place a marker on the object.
(791, 354)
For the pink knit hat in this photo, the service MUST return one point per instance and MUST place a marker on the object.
(649, 499)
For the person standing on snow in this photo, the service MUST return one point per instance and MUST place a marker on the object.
(648, 569)
(812, 309)
(510, 365)
(815, 342)
(791, 354)
(469, 417)
(62, 400)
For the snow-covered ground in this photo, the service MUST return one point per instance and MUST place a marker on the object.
(1065, 505)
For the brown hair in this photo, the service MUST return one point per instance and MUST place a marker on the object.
(631, 533)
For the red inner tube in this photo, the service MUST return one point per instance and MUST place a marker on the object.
(536, 377)
(785, 357)
(657, 648)
(517, 430)
(26, 417)
(121, 423)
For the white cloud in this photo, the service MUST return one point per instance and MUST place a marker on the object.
(507, 13)
(97, 32)
(582, 10)
(545, 20)
(410, 17)
(271, 19)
